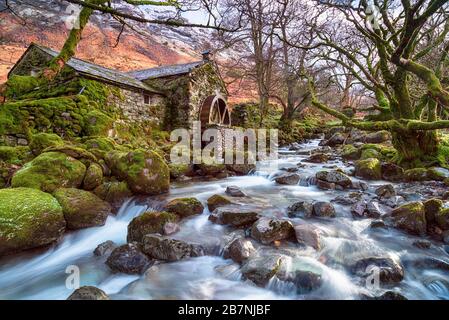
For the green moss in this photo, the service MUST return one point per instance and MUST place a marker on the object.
(14, 155)
(185, 207)
(350, 152)
(217, 201)
(149, 222)
(101, 143)
(178, 170)
(432, 208)
(17, 86)
(97, 123)
(41, 141)
(113, 192)
(442, 218)
(76, 152)
(28, 219)
(370, 153)
(93, 177)
(416, 174)
(368, 169)
(50, 171)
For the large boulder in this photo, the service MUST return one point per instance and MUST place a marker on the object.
(29, 218)
(261, 269)
(432, 208)
(392, 172)
(234, 215)
(149, 222)
(390, 271)
(128, 259)
(50, 171)
(144, 171)
(410, 217)
(93, 177)
(323, 209)
(308, 235)
(335, 176)
(336, 139)
(369, 169)
(288, 179)
(185, 207)
(217, 201)
(268, 230)
(239, 250)
(166, 249)
(82, 209)
(301, 209)
(41, 141)
(88, 293)
(350, 152)
(377, 137)
(416, 174)
(114, 192)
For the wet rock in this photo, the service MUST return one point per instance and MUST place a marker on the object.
(425, 262)
(333, 131)
(162, 248)
(105, 248)
(375, 224)
(295, 146)
(377, 137)
(389, 295)
(149, 222)
(128, 259)
(261, 269)
(308, 235)
(374, 210)
(323, 209)
(235, 191)
(437, 173)
(422, 244)
(88, 293)
(234, 215)
(385, 191)
(290, 169)
(268, 230)
(288, 179)
(305, 275)
(442, 219)
(446, 248)
(410, 217)
(432, 207)
(324, 185)
(317, 158)
(369, 169)
(171, 228)
(337, 139)
(217, 201)
(389, 270)
(82, 209)
(350, 152)
(337, 177)
(185, 207)
(93, 177)
(348, 199)
(360, 185)
(301, 209)
(358, 209)
(417, 174)
(239, 250)
(115, 193)
(392, 172)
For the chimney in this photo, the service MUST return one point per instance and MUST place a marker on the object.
(206, 55)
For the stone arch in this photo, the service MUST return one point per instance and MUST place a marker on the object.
(215, 111)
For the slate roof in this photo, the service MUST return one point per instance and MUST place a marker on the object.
(165, 71)
(98, 72)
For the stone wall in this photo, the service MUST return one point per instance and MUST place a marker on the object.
(205, 81)
(131, 104)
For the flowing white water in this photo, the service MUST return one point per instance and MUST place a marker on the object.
(41, 275)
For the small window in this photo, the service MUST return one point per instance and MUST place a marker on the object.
(146, 99)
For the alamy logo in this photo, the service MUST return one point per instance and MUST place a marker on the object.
(72, 282)
(72, 20)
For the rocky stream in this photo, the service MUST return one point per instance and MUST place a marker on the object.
(302, 231)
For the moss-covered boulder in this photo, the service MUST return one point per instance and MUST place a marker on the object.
(184, 207)
(370, 153)
(100, 143)
(76, 152)
(149, 222)
(97, 123)
(144, 171)
(217, 201)
(93, 177)
(50, 171)
(350, 152)
(114, 192)
(411, 218)
(416, 174)
(432, 207)
(41, 141)
(369, 169)
(82, 209)
(437, 173)
(442, 218)
(29, 218)
(179, 170)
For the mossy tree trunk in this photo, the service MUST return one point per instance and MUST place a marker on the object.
(68, 50)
